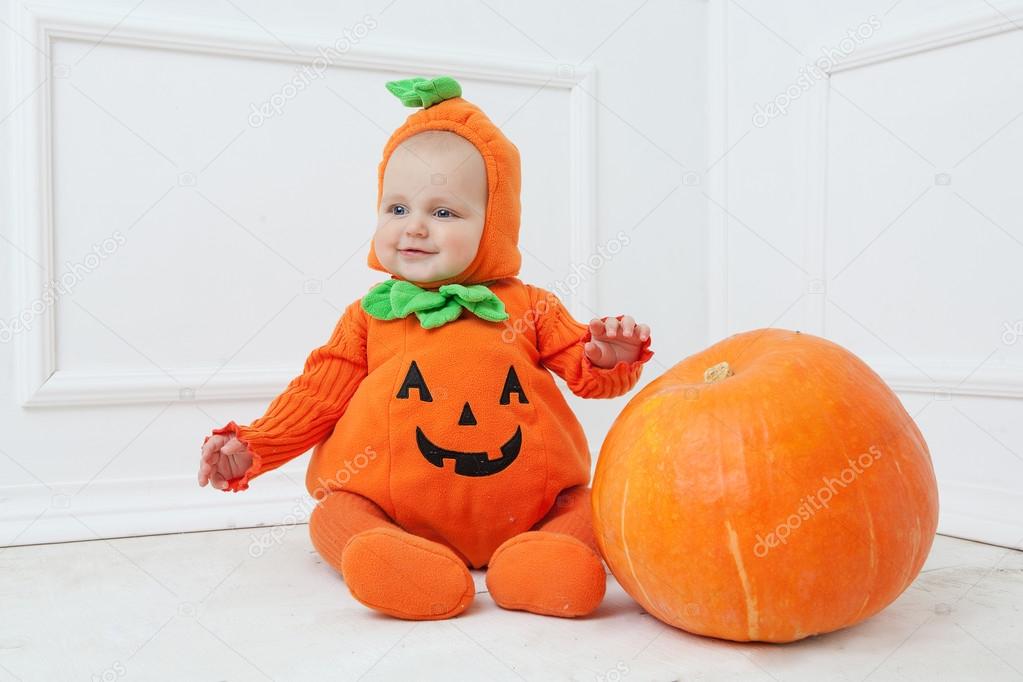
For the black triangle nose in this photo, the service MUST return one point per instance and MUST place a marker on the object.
(467, 418)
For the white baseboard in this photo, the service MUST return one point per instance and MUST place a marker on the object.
(35, 514)
(985, 514)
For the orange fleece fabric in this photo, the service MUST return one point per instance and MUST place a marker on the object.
(380, 393)
(458, 433)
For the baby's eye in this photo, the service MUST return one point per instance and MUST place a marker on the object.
(398, 209)
(443, 213)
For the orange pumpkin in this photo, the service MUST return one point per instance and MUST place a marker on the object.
(768, 488)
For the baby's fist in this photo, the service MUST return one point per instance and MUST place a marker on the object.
(223, 458)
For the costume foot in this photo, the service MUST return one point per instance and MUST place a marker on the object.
(547, 573)
(406, 576)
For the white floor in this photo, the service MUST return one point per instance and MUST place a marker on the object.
(211, 606)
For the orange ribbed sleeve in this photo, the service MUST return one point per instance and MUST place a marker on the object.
(312, 403)
(560, 340)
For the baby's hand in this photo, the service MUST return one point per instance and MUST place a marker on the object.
(223, 458)
(614, 341)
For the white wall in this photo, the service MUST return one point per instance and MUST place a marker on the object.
(205, 250)
(881, 209)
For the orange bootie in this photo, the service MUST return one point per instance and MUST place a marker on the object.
(406, 576)
(552, 574)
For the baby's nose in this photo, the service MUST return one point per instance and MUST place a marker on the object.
(416, 226)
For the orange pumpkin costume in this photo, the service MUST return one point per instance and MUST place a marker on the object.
(386, 403)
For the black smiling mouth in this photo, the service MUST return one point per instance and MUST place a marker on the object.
(471, 463)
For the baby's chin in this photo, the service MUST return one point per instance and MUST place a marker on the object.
(423, 270)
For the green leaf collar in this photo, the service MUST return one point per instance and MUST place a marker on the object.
(396, 298)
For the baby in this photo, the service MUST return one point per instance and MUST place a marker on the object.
(446, 360)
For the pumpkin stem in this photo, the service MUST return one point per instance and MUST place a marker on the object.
(716, 373)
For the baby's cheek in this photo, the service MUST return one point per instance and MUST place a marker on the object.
(463, 248)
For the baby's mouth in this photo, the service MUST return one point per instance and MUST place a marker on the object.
(415, 253)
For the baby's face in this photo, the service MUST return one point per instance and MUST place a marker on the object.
(432, 207)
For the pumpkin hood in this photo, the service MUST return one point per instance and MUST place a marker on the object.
(498, 255)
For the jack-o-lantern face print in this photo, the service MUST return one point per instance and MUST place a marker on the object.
(467, 463)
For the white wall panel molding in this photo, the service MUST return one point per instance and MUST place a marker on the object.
(40, 381)
(930, 376)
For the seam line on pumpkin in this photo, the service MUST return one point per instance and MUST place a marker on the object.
(752, 615)
(872, 580)
(625, 546)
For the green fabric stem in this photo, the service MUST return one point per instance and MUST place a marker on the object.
(422, 92)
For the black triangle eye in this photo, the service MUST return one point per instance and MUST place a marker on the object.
(512, 385)
(414, 379)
